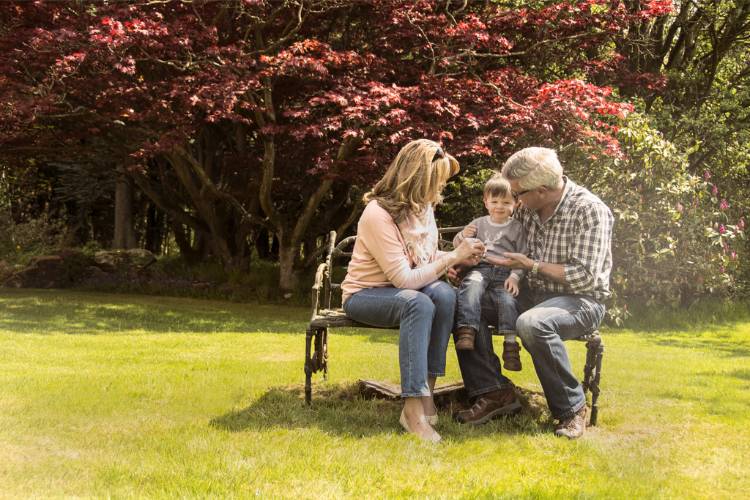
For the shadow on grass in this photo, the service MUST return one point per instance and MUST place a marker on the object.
(715, 393)
(705, 314)
(55, 311)
(343, 411)
(715, 344)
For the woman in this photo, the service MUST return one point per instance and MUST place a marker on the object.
(393, 275)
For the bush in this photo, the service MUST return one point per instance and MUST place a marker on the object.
(673, 240)
(37, 236)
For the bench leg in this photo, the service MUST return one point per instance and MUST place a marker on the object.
(308, 366)
(595, 384)
(592, 374)
(321, 350)
(316, 357)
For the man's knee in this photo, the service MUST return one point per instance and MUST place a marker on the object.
(529, 326)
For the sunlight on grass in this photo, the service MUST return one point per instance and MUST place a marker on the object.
(116, 395)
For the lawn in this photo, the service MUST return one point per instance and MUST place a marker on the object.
(115, 395)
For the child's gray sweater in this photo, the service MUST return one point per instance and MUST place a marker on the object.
(499, 238)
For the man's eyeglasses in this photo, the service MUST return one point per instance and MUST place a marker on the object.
(520, 193)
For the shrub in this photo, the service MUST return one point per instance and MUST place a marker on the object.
(36, 236)
(673, 239)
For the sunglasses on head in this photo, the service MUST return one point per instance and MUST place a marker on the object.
(439, 154)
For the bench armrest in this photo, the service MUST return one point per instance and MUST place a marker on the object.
(319, 286)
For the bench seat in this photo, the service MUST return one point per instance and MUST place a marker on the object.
(335, 318)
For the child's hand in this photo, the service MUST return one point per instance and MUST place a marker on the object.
(511, 285)
(469, 231)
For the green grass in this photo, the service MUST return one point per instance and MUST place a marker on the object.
(115, 395)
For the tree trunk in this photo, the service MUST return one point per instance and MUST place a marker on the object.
(288, 273)
(124, 236)
(182, 236)
(155, 226)
(267, 245)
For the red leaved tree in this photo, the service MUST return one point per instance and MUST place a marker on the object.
(237, 116)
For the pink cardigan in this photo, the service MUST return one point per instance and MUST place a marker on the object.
(380, 259)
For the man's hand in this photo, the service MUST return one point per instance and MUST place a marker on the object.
(469, 231)
(514, 261)
(511, 285)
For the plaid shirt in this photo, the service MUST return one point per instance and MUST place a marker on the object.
(578, 236)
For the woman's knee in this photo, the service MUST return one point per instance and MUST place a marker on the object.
(444, 295)
(417, 303)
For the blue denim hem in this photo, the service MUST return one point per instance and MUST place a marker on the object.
(436, 375)
(486, 390)
(571, 412)
(505, 332)
(473, 327)
(412, 395)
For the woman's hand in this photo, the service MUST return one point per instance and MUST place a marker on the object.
(454, 274)
(470, 250)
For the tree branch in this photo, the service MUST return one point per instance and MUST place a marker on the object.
(344, 152)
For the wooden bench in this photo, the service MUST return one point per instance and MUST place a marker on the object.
(327, 313)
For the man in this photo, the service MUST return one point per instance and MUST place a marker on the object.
(569, 233)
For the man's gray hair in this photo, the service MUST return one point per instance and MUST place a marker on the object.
(533, 168)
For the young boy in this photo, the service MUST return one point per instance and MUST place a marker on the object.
(499, 233)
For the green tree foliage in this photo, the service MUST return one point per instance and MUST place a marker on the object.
(703, 52)
(675, 239)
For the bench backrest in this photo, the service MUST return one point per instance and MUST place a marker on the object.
(326, 293)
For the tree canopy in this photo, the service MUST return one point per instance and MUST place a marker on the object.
(242, 117)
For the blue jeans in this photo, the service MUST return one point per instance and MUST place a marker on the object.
(542, 329)
(425, 320)
(486, 279)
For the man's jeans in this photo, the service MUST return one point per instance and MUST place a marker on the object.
(480, 367)
(486, 279)
(425, 320)
(542, 329)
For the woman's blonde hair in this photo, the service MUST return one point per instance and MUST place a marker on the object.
(414, 179)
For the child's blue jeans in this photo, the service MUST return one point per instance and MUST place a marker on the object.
(486, 278)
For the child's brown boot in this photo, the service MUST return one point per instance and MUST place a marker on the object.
(511, 356)
(465, 338)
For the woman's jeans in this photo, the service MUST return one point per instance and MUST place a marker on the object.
(486, 279)
(543, 329)
(425, 320)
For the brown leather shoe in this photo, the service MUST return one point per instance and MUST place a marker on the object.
(511, 356)
(465, 338)
(490, 405)
(573, 427)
